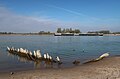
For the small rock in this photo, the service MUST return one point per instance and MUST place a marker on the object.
(73, 50)
(11, 73)
(76, 62)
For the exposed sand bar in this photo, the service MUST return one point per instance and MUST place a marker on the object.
(108, 68)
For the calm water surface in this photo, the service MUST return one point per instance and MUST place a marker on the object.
(69, 48)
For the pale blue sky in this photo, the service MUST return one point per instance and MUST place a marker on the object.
(37, 15)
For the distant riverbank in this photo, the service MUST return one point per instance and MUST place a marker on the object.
(111, 34)
(28, 34)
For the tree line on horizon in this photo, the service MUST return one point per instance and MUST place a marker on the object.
(68, 30)
(6, 33)
(102, 31)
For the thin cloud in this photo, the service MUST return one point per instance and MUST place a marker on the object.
(18, 23)
(11, 22)
(73, 12)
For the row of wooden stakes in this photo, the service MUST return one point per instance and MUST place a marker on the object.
(35, 56)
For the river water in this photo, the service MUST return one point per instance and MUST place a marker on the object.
(68, 48)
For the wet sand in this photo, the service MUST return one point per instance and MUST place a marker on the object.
(107, 68)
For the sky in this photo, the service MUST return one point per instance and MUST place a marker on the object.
(48, 15)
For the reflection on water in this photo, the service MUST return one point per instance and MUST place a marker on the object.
(37, 63)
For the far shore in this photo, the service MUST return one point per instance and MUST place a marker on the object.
(29, 34)
(107, 68)
(23, 34)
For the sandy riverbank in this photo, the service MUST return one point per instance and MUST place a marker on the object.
(108, 68)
